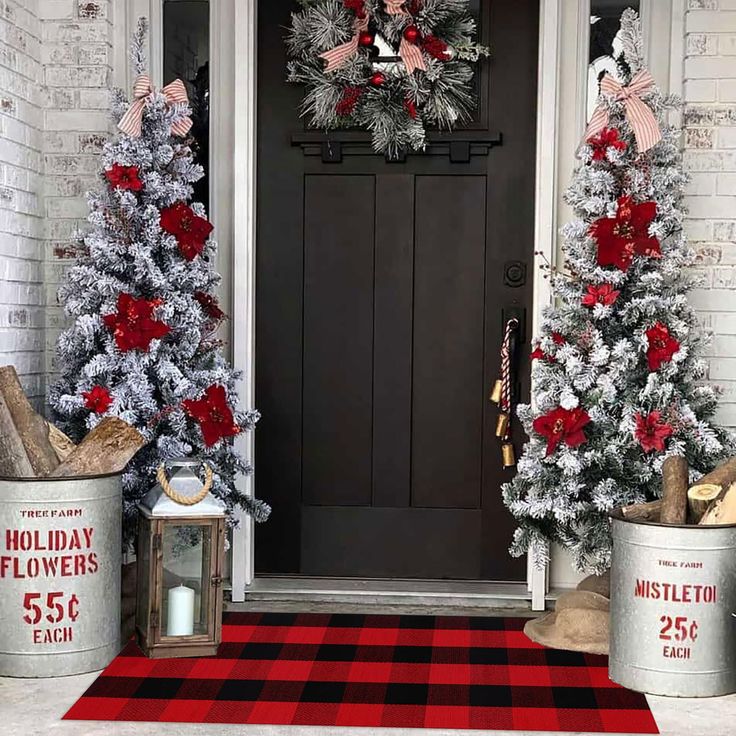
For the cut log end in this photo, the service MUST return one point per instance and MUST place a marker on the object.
(699, 498)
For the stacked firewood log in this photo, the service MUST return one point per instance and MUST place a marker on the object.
(712, 500)
(32, 447)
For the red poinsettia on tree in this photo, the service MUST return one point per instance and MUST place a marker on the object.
(210, 305)
(97, 399)
(651, 431)
(539, 354)
(133, 324)
(190, 230)
(562, 425)
(213, 414)
(603, 294)
(124, 177)
(607, 138)
(662, 346)
(626, 234)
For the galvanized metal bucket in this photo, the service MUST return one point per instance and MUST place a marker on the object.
(60, 556)
(673, 596)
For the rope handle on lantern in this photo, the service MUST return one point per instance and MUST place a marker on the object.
(177, 497)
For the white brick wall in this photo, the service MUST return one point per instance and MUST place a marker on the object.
(710, 156)
(55, 58)
(77, 59)
(21, 205)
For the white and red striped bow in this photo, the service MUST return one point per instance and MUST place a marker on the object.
(410, 54)
(638, 113)
(143, 91)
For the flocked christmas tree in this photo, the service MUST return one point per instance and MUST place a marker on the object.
(617, 370)
(142, 344)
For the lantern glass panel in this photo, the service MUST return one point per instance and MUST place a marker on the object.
(187, 572)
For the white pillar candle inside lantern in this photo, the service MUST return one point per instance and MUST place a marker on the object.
(181, 612)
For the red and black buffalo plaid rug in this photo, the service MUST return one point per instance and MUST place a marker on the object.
(364, 670)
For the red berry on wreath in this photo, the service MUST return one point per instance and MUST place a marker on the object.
(378, 79)
(366, 38)
(411, 34)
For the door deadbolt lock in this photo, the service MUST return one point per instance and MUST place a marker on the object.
(514, 274)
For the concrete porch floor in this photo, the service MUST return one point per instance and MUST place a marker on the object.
(35, 707)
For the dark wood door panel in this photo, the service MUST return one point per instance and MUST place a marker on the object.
(338, 339)
(391, 542)
(392, 351)
(449, 309)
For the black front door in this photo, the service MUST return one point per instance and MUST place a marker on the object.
(381, 294)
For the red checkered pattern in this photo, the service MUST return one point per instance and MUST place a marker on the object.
(362, 670)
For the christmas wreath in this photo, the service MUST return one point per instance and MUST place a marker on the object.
(393, 67)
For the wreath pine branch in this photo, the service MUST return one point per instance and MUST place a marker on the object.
(393, 68)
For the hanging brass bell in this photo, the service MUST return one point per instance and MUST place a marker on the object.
(502, 424)
(496, 392)
(508, 455)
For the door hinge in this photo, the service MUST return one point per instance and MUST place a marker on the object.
(157, 541)
(154, 620)
(216, 580)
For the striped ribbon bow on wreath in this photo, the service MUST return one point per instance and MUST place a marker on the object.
(386, 66)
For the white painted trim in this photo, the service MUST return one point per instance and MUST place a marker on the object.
(583, 51)
(677, 47)
(244, 255)
(545, 204)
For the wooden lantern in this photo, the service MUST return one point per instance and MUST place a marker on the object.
(181, 546)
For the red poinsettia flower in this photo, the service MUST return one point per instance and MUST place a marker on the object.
(607, 138)
(98, 399)
(435, 47)
(651, 431)
(558, 339)
(562, 425)
(357, 6)
(604, 294)
(626, 234)
(213, 414)
(539, 354)
(124, 177)
(210, 305)
(411, 108)
(133, 324)
(191, 230)
(662, 346)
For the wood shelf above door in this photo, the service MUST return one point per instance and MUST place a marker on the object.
(460, 146)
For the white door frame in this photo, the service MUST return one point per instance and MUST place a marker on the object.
(244, 235)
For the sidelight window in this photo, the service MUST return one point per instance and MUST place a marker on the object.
(186, 56)
(605, 43)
